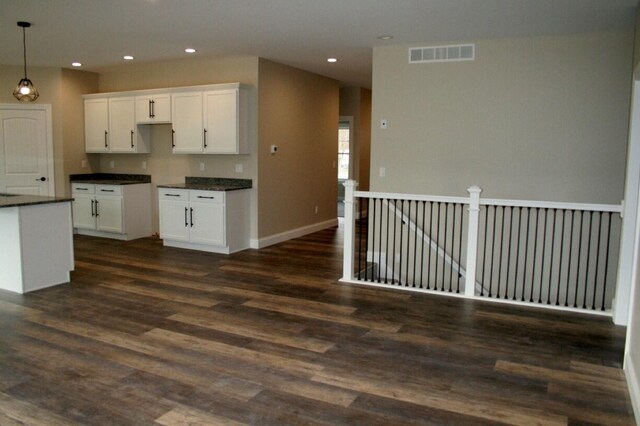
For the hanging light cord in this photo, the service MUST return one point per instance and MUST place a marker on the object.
(24, 51)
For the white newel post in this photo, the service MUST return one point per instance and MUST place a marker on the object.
(349, 229)
(472, 239)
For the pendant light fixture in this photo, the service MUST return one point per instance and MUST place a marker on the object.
(25, 91)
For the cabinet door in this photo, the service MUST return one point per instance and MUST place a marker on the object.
(96, 125)
(109, 214)
(122, 136)
(174, 220)
(83, 211)
(161, 108)
(221, 122)
(143, 110)
(187, 123)
(208, 223)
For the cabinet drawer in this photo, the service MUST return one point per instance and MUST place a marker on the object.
(83, 188)
(173, 194)
(216, 197)
(109, 189)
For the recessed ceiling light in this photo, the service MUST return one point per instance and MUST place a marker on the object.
(76, 64)
(128, 57)
(332, 60)
(190, 50)
(385, 37)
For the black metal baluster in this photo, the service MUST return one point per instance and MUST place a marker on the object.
(544, 246)
(393, 257)
(553, 240)
(535, 255)
(408, 238)
(373, 241)
(484, 253)
(424, 211)
(401, 245)
(606, 263)
(437, 249)
(453, 236)
(386, 269)
(526, 255)
(502, 209)
(415, 246)
(430, 244)
(586, 274)
(360, 222)
(575, 297)
(595, 279)
(460, 247)
(509, 248)
(515, 278)
(493, 250)
(563, 213)
(566, 296)
(380, 242)
(444, 244)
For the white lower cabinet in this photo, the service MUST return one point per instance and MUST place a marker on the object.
(214, 221)
(114, 211)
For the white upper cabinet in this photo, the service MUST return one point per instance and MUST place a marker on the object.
(188, 133)
(152, 109)
(96, 125)
(109, 126)
(211, 119)
(224, 130)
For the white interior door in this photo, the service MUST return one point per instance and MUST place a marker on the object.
(26, 150)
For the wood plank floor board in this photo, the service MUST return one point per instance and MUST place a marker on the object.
(146, 334)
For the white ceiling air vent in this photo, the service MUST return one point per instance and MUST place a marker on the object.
(458, 52)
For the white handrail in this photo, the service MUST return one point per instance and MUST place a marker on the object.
(614, 208)
(411, 197)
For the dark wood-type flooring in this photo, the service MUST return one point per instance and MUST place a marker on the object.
(152, 335)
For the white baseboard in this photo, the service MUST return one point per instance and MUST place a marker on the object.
(631, 374)
(293, 233)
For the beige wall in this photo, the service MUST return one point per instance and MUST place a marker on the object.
(356, 102)
(636, 46)
(298, 112)
(533, 118)
(162, 165)
(60, 88)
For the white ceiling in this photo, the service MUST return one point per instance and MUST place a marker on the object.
(301, 33)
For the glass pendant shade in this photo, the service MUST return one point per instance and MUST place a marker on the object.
(25, 91)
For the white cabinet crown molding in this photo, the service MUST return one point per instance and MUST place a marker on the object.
(168, 90)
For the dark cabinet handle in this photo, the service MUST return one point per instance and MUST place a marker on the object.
(172, 195)
(41, 179)
(191, 217)
(132, 139)
(97, 212)
(92, 208)
(173, 138)
(106, 190)
(153, 109)
(208, 198)
(106, 145)
(81, 189)
(186, 222)
(150, 109)
(205, 138)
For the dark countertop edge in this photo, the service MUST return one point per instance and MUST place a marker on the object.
(110, 178)
(199, 187)
(30, 200)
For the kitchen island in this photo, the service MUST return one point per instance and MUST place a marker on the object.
(36, 242)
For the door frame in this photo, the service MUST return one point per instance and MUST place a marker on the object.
(51, 172)
(349, 119)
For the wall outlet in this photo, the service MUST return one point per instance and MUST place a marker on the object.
(144, 165)
(316, 209)
(383, 172)
(112, 164)
(239, 168)
(202, 166)
(274, 149)
(383, 123)
(83, 164)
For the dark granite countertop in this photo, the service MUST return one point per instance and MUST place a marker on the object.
(12, 200)
(211, 184)
(110, 178)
